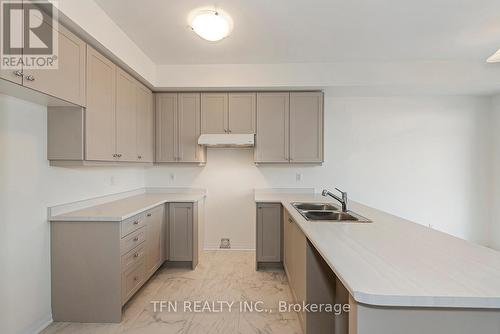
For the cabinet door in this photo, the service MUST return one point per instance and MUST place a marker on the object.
(268, 232)
(189, 128)
(67, 82)
(306, 127)
(299, 250)
(180, 231)
(288, 246)
(100, 121)
(17, 33)
(144, 123)
(154, 222)
(166, 127)
(272, 140)
(214, 108)
(126, 118)
(242, 109)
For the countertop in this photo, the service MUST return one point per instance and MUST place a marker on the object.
(127, 207)
(395, 262)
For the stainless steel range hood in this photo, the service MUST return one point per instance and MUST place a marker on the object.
(227, 140)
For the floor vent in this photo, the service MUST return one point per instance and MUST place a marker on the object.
(225, 243)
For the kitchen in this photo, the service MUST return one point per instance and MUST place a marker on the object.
(407, 130)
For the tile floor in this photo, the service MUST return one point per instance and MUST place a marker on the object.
(220, 276)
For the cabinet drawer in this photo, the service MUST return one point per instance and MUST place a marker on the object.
(133, 240)
(132, 280)
(133, 257)
(132, 224)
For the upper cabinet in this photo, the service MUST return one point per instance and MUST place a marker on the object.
(214, 113)
(228, 113)
(306, 127)
(145, 124)
(67, 82)
(289, 127)
(126, 116)
(100, 116)
(242, 112)
(178, 126)
(116, 126)
(272, 140)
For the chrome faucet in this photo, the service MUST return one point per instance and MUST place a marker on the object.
(342, 200)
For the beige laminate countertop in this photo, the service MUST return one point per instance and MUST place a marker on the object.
(395, 262)
(127, 207)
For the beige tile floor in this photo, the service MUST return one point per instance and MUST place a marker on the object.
(220, 275)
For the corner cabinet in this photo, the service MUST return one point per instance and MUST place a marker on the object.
(116, 126)
(178, 126)
(289, 127)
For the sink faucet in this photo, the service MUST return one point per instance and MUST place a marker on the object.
(342, 200)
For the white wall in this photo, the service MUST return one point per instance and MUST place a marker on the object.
(495, 188)
(422, 158)
(27, 187)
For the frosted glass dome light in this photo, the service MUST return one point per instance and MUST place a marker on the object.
(211, 25)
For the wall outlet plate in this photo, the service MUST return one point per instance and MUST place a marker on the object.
(225, 243)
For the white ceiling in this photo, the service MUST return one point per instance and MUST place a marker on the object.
(299, 31)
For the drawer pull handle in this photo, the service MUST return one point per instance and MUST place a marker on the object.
(30, 78)
(148, 215)
(136, 239)
(136, 222)
(136, 255)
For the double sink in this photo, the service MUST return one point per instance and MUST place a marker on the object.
(327, 212)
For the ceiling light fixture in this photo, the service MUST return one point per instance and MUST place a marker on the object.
(211, 25)
(495, 58)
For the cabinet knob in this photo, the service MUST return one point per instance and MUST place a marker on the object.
(136, 239)
(136, 278)
(136, 255)
(18, 73)
(149, 215)
(119, 155)
(30, 78)
(136, 222)
(114, 155)
(290, 220)
(139, 157)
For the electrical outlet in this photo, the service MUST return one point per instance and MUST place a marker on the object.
(225, 243)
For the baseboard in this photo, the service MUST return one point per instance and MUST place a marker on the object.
(39, 326)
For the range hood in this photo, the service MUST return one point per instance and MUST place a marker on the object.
(227, 140)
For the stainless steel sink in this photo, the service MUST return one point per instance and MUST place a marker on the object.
(327, 212)
(329, 215)
(315, 206)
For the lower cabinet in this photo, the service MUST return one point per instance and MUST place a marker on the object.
(155, 224)
(96, 267)
(294, 262)
(269, 231)
(183, 234)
